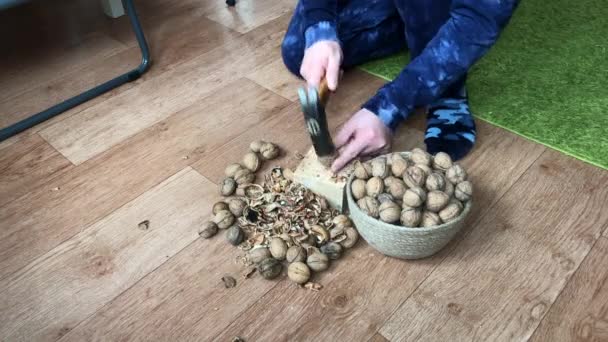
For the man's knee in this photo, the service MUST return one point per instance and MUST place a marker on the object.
(292, 50)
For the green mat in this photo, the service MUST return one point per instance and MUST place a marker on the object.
(546, 79)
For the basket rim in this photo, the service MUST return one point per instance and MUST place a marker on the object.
(352, 206)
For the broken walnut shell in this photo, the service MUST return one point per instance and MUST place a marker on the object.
(341, 221)
(352, 236)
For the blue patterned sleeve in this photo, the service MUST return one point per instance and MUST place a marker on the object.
(473, 27)
(320, 20)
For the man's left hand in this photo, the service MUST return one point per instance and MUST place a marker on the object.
(362, 135)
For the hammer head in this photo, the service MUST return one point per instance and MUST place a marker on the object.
(313, 103)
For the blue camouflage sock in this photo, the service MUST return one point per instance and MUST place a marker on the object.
(450, 125)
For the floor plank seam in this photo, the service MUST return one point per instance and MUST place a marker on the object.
(263, 86)
(88, 225)
(563, 288)
(111, 301)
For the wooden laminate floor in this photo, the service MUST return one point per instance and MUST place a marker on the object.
(530, 265)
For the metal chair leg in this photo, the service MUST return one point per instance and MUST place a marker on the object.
(57, 109)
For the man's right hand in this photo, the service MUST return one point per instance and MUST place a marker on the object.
(322, 59)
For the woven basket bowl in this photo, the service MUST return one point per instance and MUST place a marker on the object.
(402, 242)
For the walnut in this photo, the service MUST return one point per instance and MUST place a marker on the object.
(414, 197)
(419, 156)
(384, 197)
(414, 177)
(207, 230)
(374, 186)
(219, 206)
(442, 161)
(430, 219)
(270, 268)
(278, 248)
(379, 167)
(235, 235)
(298, 272)
(389, 212)
(411, 217)
(397, 188)
(352, 235)
(232, 169)
(257, 254)
(357, 188)
(399, 165)
(369, 205)
(362, 170)
(341, 221)
(251, 161)
(223, 219)
(456, 174)
(295, 253)
(333, 250)
(244, 176)
(435, 181)
(449, 188)
(436, 200)
(256, 146)
(450, 212)
(464, 191)
(426, 169)
(317, 261)
(269, 151)
(236, 206)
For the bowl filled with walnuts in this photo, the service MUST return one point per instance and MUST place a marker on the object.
(409, 205)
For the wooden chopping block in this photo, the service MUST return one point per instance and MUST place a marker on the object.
(319, 179)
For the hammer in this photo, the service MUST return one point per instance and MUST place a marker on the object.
(313, 102)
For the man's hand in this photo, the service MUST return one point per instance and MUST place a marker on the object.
(364, 134)
(322, 59)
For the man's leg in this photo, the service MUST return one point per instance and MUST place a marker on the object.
(450, 124)
(366, 29)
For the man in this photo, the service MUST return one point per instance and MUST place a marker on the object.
(444, 37)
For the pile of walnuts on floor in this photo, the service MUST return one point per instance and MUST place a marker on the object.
(277, 222)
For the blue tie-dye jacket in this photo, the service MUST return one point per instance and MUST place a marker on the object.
(472, 28)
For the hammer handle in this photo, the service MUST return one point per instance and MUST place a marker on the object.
(323, 91)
